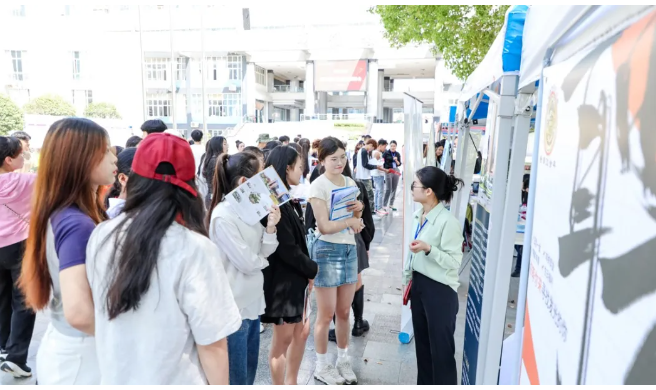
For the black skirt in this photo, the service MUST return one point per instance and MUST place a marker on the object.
(363, 256)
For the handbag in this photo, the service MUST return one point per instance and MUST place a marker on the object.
(406, 293)
(311, 238)
(16, 214)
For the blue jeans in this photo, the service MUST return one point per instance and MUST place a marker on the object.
(243, 352)
(379, 191)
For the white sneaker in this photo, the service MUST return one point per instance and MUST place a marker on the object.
(17, 370)
(262, 328)
(345, 370)
(329, 376)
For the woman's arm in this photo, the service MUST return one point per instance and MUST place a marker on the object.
(240, 253)
(325, 225)
(214, 360)
(76, 299)
(289, 251)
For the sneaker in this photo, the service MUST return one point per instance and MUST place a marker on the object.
(329, 375)
(382, 212)
(394, 209)
(345, 370)
(262, 328)
(17, 370)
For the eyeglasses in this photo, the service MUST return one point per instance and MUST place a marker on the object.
(413, 186)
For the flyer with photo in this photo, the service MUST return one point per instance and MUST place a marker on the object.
(339, 202)
(252, 200)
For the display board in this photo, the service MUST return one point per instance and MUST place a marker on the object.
(591, 295)
(330, 76)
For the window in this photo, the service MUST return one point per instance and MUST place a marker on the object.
(181, 68)
(234, 67)
(76, 65)
(18, 10)
(158, 105)
(156, 68)
(220, 68)
(224, 104)
(82, 98)
(260, 75)
(17, 65)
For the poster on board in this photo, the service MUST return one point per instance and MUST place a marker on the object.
(590, 315)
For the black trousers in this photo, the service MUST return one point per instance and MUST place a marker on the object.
(434, 307)
(16, 321)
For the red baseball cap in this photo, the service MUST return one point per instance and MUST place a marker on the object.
(160, 148)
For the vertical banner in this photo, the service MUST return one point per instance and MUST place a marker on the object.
(591, 294)
(412, 158)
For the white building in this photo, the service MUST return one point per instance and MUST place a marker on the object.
(261, 64)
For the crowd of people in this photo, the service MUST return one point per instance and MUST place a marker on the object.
(150, 277)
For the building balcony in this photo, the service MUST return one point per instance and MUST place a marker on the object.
(287, 88)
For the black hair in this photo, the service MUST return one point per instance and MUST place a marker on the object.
(329, 146)
(21, 135)
(382, 142)
(191, 142)
(283, 139)
(9, 147)
(272, 144)
(443, 185)
(133, 141)
(151, 208)
(197, 135)
(254, 150)
(237, 143)
(296, 146)
(154, 126)
(229, 169)
(527, 179)
(118, 149)
(296, 139)
(124, 166)
(305, 154)
(392, 142)
(280, 158)
(214, 148)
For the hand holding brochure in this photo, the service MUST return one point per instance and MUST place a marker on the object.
(339, 200)
(253, 199)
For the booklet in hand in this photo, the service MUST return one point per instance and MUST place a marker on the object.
(339, 200)
(252, 200)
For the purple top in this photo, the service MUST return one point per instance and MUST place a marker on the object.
(72, 229)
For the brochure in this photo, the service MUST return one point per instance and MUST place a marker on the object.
(252, 200)
(339, 202)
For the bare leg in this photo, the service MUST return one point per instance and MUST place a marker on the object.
(359, 283)
(326, 301)
(295, 352)
(342, 311)
(282, 338)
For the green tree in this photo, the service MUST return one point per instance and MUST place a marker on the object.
(49, 105)
(11, 116)
(462, 33)
(102, 110)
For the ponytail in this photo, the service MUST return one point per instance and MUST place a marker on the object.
(124, 166)
(443, 185)
(228, 170)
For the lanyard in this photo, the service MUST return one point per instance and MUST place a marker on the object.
(420, 228)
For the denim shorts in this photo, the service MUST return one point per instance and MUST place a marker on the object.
(338, 264)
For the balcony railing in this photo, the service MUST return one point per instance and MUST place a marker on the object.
(338, 117)
(287, 88)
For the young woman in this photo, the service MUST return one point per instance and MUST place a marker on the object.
(115, 198)
(358, 146)
(247, 248)
(16, 320)
(240, 146)
(76, 161)
(162, 302)
(392, 160)
(433, 269)
(215, 147)
(289, 273)
(336, 255)
(305, 155)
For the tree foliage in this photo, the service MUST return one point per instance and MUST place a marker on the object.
(49, 105)
(102, 110)
(11, 116)
(461, 33)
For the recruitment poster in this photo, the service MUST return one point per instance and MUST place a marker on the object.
(591, 303)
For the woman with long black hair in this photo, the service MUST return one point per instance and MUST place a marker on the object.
(289, 273)
(163, 305)
(247, 248)
(433, 272)
(215, 147)
(115, 198)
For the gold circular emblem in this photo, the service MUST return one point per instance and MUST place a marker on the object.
(551, 124)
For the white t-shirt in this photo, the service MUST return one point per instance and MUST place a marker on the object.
(379, 163)
(322, 188)
(189, 302)
(198, 151)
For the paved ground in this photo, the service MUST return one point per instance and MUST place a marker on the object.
(378, 358)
